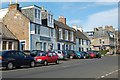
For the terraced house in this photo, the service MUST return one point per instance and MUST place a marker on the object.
(65, 35)
(34, 30)
(82, 41)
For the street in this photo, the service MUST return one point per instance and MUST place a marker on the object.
(106, 67)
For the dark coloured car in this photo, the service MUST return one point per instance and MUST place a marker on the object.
(118, 52)
(73, 54)
(97, 54)
(77, 55)
(13, 58)
(70, 54)
(86, 55)
(27, 52)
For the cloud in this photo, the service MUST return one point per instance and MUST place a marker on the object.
(102, 19)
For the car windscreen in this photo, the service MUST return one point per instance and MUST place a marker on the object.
(41, 54)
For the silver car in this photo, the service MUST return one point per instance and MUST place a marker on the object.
(61, 54)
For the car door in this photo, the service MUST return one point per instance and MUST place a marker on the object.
(23, 58)
(54, 57)
(49, 57)
(17, 59)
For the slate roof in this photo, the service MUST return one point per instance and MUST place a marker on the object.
(5, 33)
(61, 25)
(102, 33)
(81, 35)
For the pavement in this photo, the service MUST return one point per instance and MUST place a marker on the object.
(106, 67)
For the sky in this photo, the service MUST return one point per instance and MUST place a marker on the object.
(85, 14)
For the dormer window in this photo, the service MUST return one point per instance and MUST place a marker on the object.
(37, 13)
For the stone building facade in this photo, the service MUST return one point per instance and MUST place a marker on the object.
(8, 41)
(103, 38)
(18, 24)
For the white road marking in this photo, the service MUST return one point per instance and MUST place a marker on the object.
(108, 74)
(102, 76)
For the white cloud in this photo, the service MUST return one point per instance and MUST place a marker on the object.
(102, 19)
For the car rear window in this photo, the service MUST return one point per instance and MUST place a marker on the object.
(41, 54)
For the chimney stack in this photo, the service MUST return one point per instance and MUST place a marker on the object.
(62, 19)
(14, 6)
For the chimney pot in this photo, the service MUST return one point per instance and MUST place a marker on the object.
(62, 19)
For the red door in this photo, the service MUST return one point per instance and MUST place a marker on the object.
(54, 57)
(49, 57)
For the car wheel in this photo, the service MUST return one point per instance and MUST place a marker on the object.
(71, 57)
(10, 65)
(45, 63)
(57, 62)
(32, 64)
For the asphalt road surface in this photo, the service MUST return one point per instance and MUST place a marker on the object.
(106, 67)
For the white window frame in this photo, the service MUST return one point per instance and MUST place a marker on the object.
(60, 36)
(66, 34)
(23, 41)
(71, 36)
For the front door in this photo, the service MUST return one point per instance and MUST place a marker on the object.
(22, 45)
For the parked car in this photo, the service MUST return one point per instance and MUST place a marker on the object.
(118, 52)
(92, 55)
(85, 55)
(27, 52)
(33, 53)
(73, 54)
(70, 54)
(97, 54)
(78, 55)
(61, 54)
(46, 57)
(13, 58)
